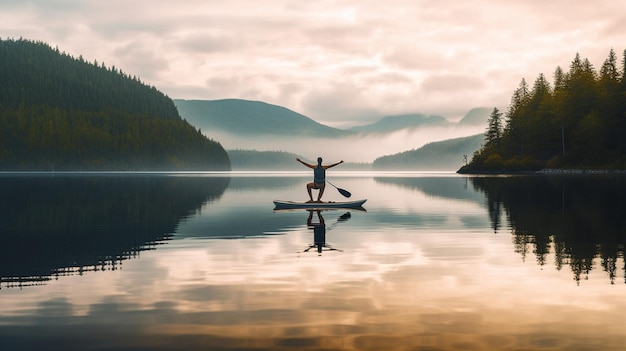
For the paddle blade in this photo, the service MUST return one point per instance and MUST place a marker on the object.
(344, 192)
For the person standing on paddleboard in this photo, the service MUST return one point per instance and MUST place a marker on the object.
(319, 177)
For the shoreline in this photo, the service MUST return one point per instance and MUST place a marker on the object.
(551, 171)
(580, 171)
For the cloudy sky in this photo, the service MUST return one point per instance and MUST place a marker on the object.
(337, 61)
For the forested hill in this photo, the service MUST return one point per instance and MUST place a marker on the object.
(578, 122)
(58, 112)
(444, 155)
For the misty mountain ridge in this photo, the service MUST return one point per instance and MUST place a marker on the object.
(391, 124)
(477, 116)
(256, 118)
(246, 117)
(253, 125)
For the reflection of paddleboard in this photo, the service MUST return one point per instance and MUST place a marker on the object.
(282, 204)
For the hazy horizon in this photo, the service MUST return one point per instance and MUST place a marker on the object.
(356, 148)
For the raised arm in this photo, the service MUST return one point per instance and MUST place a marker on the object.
(333, 165)
(304, 163)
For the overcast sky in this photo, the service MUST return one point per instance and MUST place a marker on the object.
(337, 61)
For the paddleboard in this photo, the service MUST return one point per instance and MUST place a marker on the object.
(283, 204)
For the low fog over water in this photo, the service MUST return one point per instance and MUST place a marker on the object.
(357, 148)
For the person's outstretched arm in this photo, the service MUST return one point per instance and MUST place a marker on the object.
(304, 163)
(334, 164)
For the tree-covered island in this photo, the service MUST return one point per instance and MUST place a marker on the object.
(59, 113)
(578, 122)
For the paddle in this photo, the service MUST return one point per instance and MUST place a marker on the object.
(342, 191)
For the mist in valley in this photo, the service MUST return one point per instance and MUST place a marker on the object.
(358, 148)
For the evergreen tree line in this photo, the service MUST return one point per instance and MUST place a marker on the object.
(62, 113)
(578, 122)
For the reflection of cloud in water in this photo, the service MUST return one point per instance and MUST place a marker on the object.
(451, 187)
(225, 301)
(413, 201)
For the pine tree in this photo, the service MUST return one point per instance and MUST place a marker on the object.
(538, 125)
(494, 129)
(609, 105)
(513, 138)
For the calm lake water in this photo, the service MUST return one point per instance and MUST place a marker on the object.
(203, 262)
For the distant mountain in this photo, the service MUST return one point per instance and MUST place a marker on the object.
(440, 156)
(395, 123)
(255, 118)
(245, 126)
(475, 117)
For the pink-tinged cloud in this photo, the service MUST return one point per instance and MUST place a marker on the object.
(336, 60)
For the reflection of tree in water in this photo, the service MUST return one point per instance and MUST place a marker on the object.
(579, 218)
(63, 225)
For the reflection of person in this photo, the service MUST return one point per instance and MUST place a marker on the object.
(319, 231)
(319, 177)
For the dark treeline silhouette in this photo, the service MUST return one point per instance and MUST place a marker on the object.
(60, 225)
(578, 122)
(62, 113)
(580, 219)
